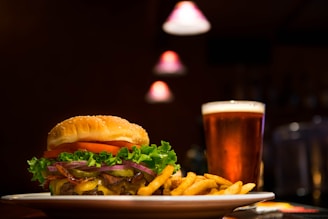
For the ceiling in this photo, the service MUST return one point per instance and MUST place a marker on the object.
(277, 20)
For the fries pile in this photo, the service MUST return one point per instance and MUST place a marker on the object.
(192, 184)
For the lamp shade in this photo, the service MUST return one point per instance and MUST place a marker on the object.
(159, 92)
(169, 63)
(186, 19)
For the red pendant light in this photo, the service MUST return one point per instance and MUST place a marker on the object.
(186, 19)
(169, 64)
(159, 92)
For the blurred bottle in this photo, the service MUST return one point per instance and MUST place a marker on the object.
(301, 155)
(195, 160)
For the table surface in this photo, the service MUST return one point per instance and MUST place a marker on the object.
(19, 212)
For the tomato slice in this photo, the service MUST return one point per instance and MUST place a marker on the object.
(122, 144)
(95, 147)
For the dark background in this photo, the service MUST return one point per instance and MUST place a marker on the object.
(64, 58)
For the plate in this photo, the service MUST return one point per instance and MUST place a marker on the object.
(200, 206)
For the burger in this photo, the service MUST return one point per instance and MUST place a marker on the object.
(99, 155)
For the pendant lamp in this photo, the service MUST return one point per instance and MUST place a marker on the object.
(186, 19)
(159, 92)
(169, 64)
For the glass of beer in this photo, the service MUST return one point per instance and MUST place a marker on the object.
(234, 137)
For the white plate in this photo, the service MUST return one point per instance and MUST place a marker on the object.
(200, 206)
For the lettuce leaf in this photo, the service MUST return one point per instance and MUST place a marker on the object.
(153, 156)
(38, 167)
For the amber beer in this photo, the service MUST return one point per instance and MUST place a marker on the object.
(234, 136)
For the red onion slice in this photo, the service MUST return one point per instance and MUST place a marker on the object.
(139, 167)
(112, 168)
(67, 165)
(82, 165)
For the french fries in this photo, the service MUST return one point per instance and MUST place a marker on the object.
(187, 182)
(192, 184)
(157, 182)
(233, 189)
(218, 179)
(246, 188)
(200, 187)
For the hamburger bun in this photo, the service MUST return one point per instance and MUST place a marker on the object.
(98, 128)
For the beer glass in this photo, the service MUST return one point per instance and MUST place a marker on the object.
(234, 137)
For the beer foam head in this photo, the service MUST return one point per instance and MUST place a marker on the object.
(233, 106)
